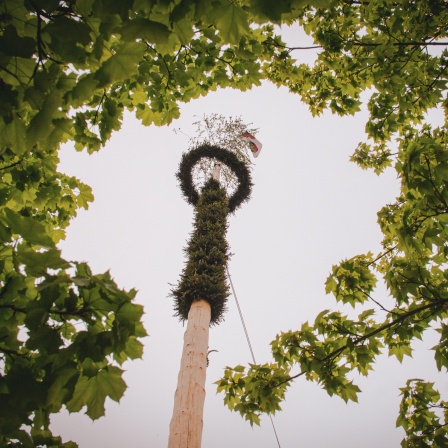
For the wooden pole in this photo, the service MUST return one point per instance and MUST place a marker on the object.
(186, 422)
(216, 171)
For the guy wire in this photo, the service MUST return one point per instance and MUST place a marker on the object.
(248, 340)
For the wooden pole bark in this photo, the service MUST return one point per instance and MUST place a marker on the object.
(186, 422)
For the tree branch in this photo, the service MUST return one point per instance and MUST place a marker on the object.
(373, 44)
(360, 339)
(10, 166)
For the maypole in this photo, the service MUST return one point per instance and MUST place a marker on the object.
(201, 296)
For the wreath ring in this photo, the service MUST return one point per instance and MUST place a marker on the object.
(239, 168)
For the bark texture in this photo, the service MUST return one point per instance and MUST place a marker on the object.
(187, 420)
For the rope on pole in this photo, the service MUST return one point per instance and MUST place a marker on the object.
(248, 340)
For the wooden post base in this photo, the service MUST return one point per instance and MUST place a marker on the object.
(187, 420)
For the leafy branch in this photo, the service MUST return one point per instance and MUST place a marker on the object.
(11, 165)
(358, 340)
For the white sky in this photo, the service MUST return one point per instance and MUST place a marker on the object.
(310, 208)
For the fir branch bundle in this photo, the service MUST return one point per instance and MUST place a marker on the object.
(204, 276)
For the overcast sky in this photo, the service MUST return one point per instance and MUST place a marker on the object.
(310, 208)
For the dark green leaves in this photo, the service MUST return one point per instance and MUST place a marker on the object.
(12, 44)
(45, 300)
(60, 364)
(63, 31)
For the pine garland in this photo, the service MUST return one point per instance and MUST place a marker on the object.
(204, 275)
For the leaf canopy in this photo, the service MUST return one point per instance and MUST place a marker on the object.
(68, 70)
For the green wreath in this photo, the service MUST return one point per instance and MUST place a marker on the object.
(239, 168)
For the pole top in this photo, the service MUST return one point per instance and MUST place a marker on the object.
(216, 171)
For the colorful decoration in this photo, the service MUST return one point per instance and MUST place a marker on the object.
(255, 145)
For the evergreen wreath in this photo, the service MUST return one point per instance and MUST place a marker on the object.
(239, 168)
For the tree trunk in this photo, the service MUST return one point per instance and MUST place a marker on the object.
(186, 423)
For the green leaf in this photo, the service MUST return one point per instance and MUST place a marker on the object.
(45, 340)
(13, 45)
(129, 314)
(29, 228)
(145, 29)
(41, 125)
(267, 9)
(92, 392)
(184, 31)
(66, 31)
(59, 391)
(121, 65)
(85, 196)
(37, 263)
(134, 348)
(84, 89)
(231, 21)
(13, 135)
(23, 437)
(318, 3)
(330, 285)
(400, 350)
(97, 57)
(350, 392)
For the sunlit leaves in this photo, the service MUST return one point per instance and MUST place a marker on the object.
(14, 134)
(423, 415)
(85, 196)
(121, 64)
(387, 53)
(91, 391)
(441, 349)
(68, 71)
(258, 390)
(352, 280)
(146, 29)
(87, 52)
(41, 124)
(231, 21)
(84, 89)
(30, 229)
(376, 157)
